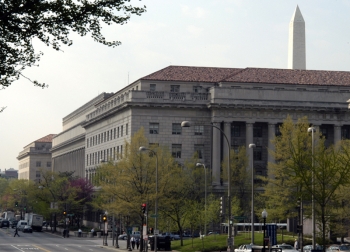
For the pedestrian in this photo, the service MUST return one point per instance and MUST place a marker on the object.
(137, 243)
(93, 231)
(16, 232)
(79, 232)
(64, 233)
(296, 244)
(133, 240)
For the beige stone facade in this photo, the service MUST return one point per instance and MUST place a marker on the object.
(247, 104)
(35, 158)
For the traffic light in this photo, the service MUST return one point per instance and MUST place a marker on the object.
(104, 218)
(143, 208)
(64, 212)
(221, 206)
(16, 204)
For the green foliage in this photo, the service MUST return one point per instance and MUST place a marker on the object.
(51, 22)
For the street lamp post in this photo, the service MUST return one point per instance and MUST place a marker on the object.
(312, 130)
(142, 148)
(252, 146)
(205, 197)
(264, 215)
(230, 240)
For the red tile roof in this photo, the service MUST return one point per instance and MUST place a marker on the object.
(46, 139)
(250, 75)
(196, 74)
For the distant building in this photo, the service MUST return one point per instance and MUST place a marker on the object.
(10, 173)
(35, 158)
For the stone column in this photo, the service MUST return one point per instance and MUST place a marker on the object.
(337, 134)
(270, 145)
(249, 140)
(216, 150)
(226, 147)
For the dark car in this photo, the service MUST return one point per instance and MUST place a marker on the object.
(4, 223)
(13, 223)
(27, 229)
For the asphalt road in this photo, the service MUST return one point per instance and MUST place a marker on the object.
(48, 242)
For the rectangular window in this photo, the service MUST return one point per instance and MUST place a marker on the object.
(107, 135)
(345, 133)
(235, 131)
(257, 153)
(126, 128)
(104, 137)
(87, 143)
(154, 128)
(197, 89)
(277, 129)
(198, 130)
(113, 153)
(117, 152)
(121, 130)
(37, 174)
(121, 151)
(115, 133)
(257, 131)
(152, 87)
(175, 88)
(324, 132)
(48, 164)
(177, 128)
(38, 163)
(199, 148)
(118, 133)
(176, 150)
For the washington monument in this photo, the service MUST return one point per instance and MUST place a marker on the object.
(296, 47)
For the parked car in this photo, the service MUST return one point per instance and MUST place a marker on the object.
(27, 229)
(172, 236)
(285, 247)
(123, 237)
(4, 223)
(338, 248)
(308, 248)
(213, 233)
(244, 248)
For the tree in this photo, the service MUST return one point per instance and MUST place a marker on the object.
(51, 22)
(297, 173)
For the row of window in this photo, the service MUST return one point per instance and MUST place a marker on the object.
(176, 129)
(114, 153)
(38, 164)
(176, 88)
(107, 136)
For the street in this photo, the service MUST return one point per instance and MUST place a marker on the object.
(48, 242)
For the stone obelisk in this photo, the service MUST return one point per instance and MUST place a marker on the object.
(296, 48)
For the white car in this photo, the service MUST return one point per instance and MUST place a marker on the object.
(285, 247)
(244, 248)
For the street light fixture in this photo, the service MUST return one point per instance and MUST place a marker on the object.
(264, 215)
(252, 146)
(313, 130)
(230, 240)
(205, 197)
(141, 149)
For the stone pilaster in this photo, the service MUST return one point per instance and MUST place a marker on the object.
(216, 154)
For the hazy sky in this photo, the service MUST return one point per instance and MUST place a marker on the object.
(216, 33)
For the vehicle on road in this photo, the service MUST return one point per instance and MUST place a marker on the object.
(13, 223)
(285, 247)
(172, 236)
(35, 221)
(308, 248)
(123, 237)
(4, 223)
(338, 248)
(27, 229)
(244, 248)
(21, 224)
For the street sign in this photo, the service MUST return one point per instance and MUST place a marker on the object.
(239, 217)
(154, 215)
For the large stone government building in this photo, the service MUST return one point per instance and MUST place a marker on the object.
(247, 104)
